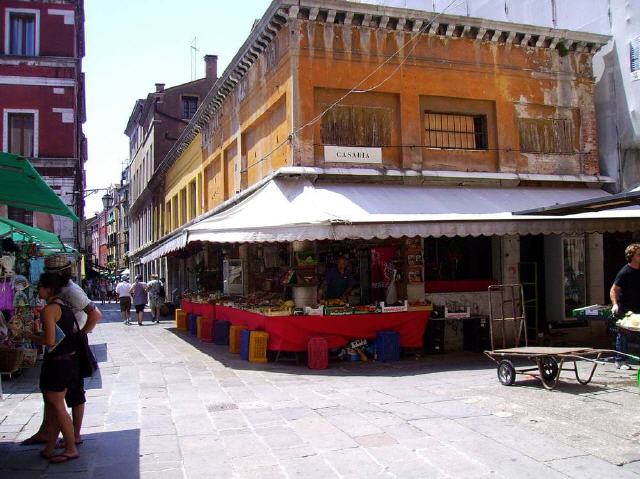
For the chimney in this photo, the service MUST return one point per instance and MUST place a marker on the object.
(159, 87)
(211, 67)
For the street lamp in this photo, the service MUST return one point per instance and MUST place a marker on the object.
(107, 200)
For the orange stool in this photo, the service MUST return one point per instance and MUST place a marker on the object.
(258, 342)
(234, 338)
(181, 319)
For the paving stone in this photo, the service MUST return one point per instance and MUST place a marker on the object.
(587, 467)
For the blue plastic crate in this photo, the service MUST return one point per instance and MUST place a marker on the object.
(388, 346)
(192, 319)
(221, 333)
(245, 336)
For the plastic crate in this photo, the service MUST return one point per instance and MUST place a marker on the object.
(206, 330)
(318, 353)
(221, 333)
(234, 338)
(199, 320)
(193, 325)
(388, 346)
(258, 342)
(245, 335)
(181, 319)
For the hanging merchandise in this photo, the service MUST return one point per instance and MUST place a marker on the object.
(36, 268)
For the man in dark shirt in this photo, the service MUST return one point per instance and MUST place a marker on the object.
(339, 281)
(625, 295)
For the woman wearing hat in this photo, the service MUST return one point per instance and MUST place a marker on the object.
(87, 315)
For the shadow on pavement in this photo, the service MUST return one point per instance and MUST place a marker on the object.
(114, 454)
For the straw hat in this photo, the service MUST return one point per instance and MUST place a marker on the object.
(57, 262)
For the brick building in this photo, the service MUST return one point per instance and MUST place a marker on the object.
(153, 127)
(42, 101)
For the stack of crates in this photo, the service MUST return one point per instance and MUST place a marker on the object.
(193, 323)
(181, 320)
(206, 330)
(245, 334)
(388, 346)
(318, 352)
(234, 338)
(221, 333)
(258, 342)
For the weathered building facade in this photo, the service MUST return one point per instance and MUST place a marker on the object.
(349, 93)
(153, 127)
(42, 101)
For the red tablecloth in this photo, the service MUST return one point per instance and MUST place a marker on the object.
(292, 333)
(207, 310)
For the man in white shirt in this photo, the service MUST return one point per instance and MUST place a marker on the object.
(87, 315)
(123, 290)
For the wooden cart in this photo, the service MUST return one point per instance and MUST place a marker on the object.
(507, 325)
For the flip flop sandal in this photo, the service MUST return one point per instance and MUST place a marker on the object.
(32, 442)
(60, 458)
(60, 444)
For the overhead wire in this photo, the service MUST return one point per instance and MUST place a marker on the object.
(360, 83)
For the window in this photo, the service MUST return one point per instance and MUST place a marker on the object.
(193, 200)
(20, 215)
(22, 33)
(21, 134)
(454, 130)
(189, 107)
(356, 126)
(457, 258)
(575, 274)
(635, 58)
(553, 135)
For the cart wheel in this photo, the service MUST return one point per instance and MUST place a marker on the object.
(506, 372)
(549, 368)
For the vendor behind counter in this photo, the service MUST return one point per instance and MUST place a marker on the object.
(338, 281)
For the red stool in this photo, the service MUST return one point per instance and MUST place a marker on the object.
(206, 330)
(318, 350)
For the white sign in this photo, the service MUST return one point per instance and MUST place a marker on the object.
(352, 154)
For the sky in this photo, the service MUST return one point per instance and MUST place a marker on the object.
(130, 46)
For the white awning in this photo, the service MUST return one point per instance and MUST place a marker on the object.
(289, 209)
(166, 247)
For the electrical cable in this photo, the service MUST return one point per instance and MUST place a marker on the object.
(355, 88)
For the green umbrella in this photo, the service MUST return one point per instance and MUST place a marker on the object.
(22, 187)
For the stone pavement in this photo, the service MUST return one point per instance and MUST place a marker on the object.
(165, 405)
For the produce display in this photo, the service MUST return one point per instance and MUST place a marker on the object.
(630, 321)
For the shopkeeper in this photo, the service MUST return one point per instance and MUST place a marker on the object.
(338, 282)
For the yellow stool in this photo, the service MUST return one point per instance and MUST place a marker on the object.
(181, 319)
(235, 338)
(199, 321)
(258, 346)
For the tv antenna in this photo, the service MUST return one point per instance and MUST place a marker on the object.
(194, 57)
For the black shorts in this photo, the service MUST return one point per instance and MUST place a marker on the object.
(58, 375)
(75, 393)
(125, 303)
(140, 308)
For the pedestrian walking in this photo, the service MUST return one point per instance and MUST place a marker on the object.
(123, 290)
(155, 288)
(103, 291)
(139, 297)
(625, 296)
(109, 290)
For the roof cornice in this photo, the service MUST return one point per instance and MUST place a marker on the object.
(367, 16)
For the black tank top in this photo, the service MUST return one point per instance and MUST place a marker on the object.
(67, 323)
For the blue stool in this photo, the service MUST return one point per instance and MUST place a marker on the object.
(388, 346)
(193, 323)
(221, 333)
(245, 336)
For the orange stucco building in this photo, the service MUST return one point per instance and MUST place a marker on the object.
(346, 92)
